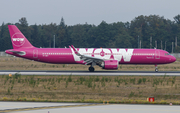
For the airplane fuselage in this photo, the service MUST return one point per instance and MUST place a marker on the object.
(124, 56)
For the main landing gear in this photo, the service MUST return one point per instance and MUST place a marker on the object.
(156, 68)
(91, 68)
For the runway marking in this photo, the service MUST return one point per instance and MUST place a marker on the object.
(113, 73)
(46, 107)
(148, 109)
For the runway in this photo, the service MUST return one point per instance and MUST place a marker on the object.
(97, 73)
(28, 106)
(37, 107)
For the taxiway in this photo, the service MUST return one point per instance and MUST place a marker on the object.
(48, 107)
(97, 73)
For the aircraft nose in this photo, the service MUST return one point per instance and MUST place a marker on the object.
(172, 59)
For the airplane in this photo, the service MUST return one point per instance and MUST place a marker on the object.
(107, 58)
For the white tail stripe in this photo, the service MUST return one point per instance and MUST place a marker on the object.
(18, 39)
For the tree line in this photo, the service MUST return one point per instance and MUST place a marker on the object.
(142, 32)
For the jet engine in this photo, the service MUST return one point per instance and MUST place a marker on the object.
(110, 64)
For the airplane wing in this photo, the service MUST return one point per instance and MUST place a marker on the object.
(87, 59)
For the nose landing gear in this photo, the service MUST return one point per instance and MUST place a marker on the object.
(156, 68)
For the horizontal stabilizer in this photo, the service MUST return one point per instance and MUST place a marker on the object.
(18, 52)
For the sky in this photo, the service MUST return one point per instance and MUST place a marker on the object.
(84, 11)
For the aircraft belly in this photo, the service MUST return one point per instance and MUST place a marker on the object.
(58, 59)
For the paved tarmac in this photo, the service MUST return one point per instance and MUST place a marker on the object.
(104, 73)
(110, 108)
(24, 106)
(13, 105)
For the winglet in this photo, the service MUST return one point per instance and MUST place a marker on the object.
(75, 51)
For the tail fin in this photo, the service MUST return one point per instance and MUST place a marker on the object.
(18, 39)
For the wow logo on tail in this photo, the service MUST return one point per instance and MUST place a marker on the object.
(18, 39)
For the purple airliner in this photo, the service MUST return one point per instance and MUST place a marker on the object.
(107, 58)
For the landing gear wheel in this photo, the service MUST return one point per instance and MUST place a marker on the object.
(91, 69)
(156, 70)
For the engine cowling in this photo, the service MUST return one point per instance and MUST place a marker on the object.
(110, 64)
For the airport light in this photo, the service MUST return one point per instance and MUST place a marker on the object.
(172, 46)
(54, 41)
(165, 45)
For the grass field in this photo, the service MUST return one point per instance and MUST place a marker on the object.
(90, 88)
(14, 63)
(131, 89)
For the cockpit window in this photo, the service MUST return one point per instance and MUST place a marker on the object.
(167, 53)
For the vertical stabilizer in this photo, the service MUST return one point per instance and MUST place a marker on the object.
(18, 39)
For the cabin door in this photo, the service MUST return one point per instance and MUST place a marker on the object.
(157, 54)
(35, 53)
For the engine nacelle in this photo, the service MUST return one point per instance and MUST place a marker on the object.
(110, 64)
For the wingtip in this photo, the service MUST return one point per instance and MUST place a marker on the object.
(75, 51)
(72, 46)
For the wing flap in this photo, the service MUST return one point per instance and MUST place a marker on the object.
(87, 59)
